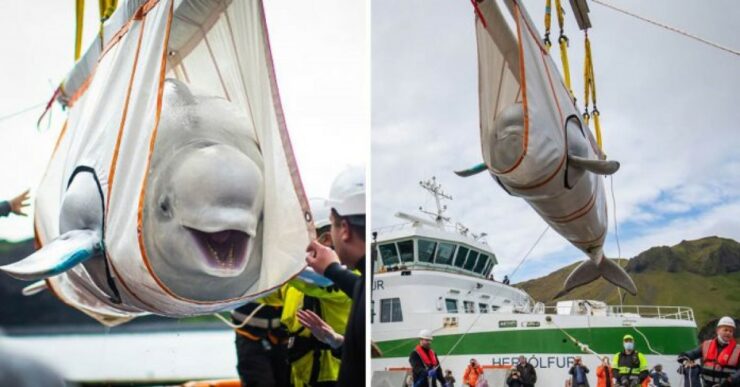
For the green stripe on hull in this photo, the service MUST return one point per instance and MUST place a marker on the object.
(665, 340)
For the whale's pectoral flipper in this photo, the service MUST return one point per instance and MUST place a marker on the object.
(62, 254)
(34, 288)
(599, 167)
(472, 171)
(312, 277)
(589, 271)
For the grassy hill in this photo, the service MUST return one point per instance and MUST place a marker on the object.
(703, 274)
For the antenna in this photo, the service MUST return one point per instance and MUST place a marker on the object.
(435, 189)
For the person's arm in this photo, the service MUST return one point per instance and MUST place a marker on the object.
(572, 370)
(692, 355)
(615, 367)
(585, 369)
(417, 366)
(534, 374)
(735, 379)
(440, 376)
(343, 278)
(465, 375)
(4, 208)
(644, 370)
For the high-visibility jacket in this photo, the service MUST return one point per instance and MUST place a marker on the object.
(633, 364)
(312, 360)
(604, 376)
(718, 365)
(472, 374)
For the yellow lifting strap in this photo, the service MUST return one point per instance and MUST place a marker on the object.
(589, 88)
(563, 40)
(80, 17)
(548, 22)
(106, 8)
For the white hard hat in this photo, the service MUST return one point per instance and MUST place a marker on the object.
(320, 211)
(347, 195)
(426, 334)
(726, 321)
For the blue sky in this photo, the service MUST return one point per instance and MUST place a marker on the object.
(669, 115)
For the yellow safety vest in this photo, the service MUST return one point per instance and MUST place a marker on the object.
(335, 307)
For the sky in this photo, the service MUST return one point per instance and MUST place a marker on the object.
(321, 55)
(669, 115)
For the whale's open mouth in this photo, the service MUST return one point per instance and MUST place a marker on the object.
(225, 252)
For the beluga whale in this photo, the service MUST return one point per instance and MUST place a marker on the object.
(202, 211)
(172, 188)
(535, 144)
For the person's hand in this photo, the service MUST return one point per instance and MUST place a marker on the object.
(319, 257)
(18, 203)
(319, 328)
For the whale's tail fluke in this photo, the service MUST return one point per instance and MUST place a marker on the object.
(589, 271)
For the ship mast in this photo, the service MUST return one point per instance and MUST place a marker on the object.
(435, 189)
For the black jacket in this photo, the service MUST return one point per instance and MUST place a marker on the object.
(573, 373)
(352, 369)
(527, 374)
(419, 371)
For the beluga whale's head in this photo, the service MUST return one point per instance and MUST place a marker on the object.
(205, 197)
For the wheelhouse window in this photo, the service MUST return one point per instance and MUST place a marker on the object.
(482, 262)
(469, 306)
(390, 310)
(426, 250)
(451, 305)
(445, 253)
(494, 308)
(462, 253)
(470, 263)
(483, 308)
(406, 251)
(389, 254)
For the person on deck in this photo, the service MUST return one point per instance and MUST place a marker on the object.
(425, 366)
(604, 373)
(527, 373)
(472, 372)
(720, 356)
(578, 373)
(347, 216)
(630, 366)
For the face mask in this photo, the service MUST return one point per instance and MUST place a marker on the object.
(628, 346)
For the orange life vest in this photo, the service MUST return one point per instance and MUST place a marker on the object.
(428, 360)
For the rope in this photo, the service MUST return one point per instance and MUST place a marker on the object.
(647, 341)
(246, 320)
(28, 109)
(583, 347)
(616, 234)
(524, 258)
(462, 336)
(672, 29)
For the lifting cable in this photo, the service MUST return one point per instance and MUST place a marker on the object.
(669, 28)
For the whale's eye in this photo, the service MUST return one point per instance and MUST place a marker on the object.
(164, 206)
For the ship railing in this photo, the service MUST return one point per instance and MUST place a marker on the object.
(644, 311)
(653, 311)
